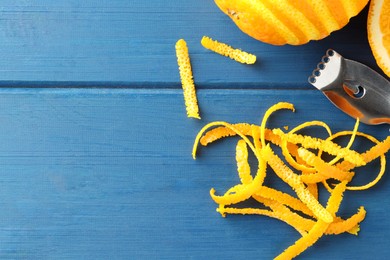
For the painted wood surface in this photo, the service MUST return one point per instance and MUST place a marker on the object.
(131, 43)
(95, 147)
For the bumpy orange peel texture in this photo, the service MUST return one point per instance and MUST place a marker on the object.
(378, 29)
(290, 21)
(187, 80)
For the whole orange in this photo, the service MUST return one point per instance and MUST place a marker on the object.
(294, 22)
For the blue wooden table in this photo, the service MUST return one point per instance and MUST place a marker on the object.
(95, 145)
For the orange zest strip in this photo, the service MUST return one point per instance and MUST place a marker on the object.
(272, 109)
(353, 136)
(219, 123)
(328, 146)
(336, 197)
(256, 136)
(288, 155)
(246, 129)
(285, 199)
(374, 152)
(311, 123)
(226, 50)
(305, 241)
(377, 150)
(313, 178)
(283, 213)
(322, 167)
(244, 191)
(319, 227)
(292, 179)
(349, 225)
(187, 80)
(312, 188)
(243, 167)
(222, 131)
(377, 178)
(346, 165)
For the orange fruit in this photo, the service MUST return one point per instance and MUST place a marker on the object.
(378, 28)
(280, 22)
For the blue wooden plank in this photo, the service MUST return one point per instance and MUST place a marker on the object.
(97, 174)
(131, 43)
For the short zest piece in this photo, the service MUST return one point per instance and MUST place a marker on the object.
(187, 81)
(304, 169)
(228, 51)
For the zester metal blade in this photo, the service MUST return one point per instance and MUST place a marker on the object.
(353, 87)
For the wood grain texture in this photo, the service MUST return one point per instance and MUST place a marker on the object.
(97, 174)
(95, 145)
(131, 43)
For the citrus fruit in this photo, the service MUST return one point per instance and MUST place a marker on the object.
(378, 27)
(280, 22)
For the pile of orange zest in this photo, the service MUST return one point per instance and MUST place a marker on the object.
(187, 80)
(228, 51)
(300, 208)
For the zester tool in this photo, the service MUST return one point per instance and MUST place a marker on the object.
(353, 87)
